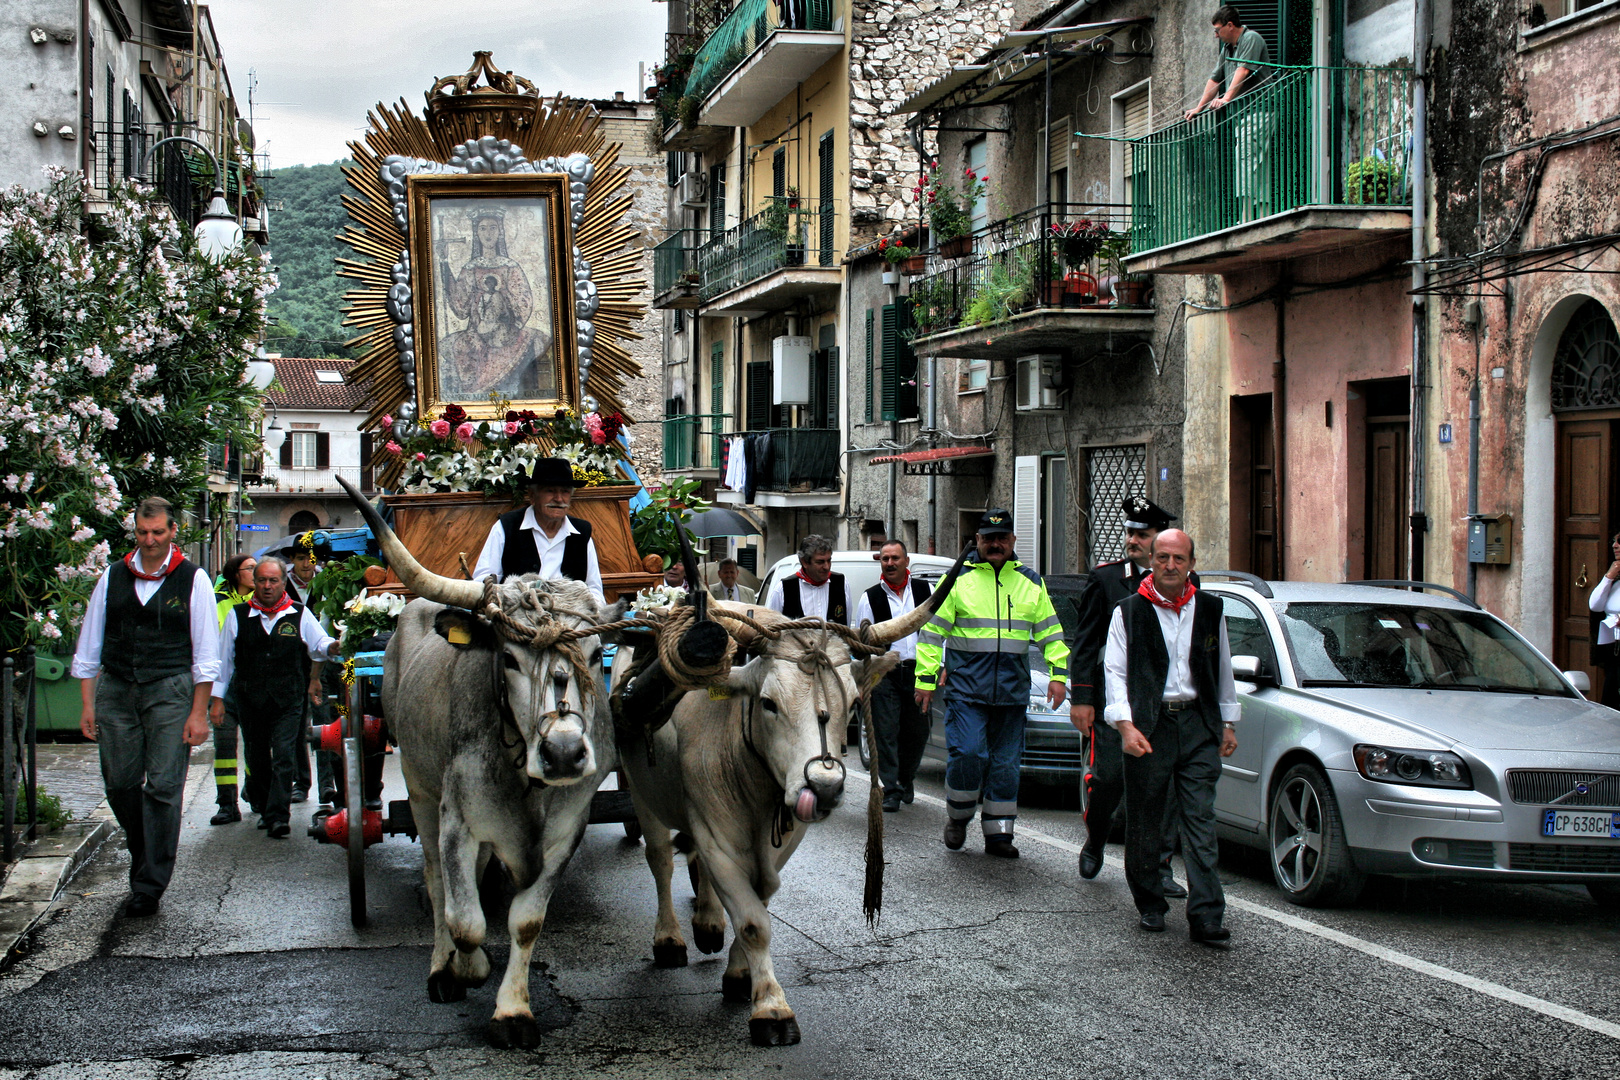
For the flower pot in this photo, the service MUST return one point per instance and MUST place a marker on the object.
(793, 255)
(1130, 293)
(958, 248)
(914, 265)
(1054, 293)
(891, 276)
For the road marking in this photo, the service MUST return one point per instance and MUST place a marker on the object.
(1348, 941)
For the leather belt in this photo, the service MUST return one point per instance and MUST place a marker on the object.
(1178, 706)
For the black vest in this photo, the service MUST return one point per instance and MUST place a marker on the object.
(520, 556)
(147, 642)
(881, 611)
(271, 669)
(1148, 663)
(837, 599)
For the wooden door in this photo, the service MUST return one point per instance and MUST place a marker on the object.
(1585, 513)
(1253, 504)
(1386, 500)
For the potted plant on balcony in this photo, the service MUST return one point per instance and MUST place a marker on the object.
(1129, 288)
(895, 253)
(1078, 242)
(950, 215)
(1372, 180)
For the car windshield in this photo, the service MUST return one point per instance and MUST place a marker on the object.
(1418, 647)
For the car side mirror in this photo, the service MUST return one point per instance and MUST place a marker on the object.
(1580, 681)
(1251, 669)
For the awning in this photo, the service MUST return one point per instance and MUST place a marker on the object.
(937, 462)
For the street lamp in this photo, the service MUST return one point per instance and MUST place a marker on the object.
(217, 231)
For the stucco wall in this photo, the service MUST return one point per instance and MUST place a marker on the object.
(39, 83)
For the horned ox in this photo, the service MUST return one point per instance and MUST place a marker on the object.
(502, 744)
(744, 776)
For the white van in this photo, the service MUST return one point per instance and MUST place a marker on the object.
(860, 570)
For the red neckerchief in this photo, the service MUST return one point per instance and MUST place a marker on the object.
(800, 575)
(174, 559)
(901, 591)
(286, 602)
(1149, 590)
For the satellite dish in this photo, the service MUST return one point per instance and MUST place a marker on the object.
(244, 134)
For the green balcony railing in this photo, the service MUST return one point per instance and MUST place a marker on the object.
(675, 260)
(685, 436)
(1308, 137)
(745, 29)
(780, 236)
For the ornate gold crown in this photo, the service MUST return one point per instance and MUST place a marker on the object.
(458, 109)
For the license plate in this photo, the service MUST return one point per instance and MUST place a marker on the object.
(1593, 824)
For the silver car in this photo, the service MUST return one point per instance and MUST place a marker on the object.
(1396, 731)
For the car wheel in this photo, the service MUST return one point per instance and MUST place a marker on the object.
(1310, 859)
(1605, 894)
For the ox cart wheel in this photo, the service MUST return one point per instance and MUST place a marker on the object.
(354, 802)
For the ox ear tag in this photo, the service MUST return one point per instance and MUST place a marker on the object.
(719, 693)
(456, 634)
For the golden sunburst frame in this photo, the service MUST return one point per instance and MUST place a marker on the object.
(499, 128)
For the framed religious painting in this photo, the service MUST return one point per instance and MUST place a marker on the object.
(492, 282)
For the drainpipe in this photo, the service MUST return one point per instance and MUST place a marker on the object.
(933, 440)
(1473, 468)
(1279, 429)
(1420, 224)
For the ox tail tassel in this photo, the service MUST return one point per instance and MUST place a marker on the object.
(872, 896)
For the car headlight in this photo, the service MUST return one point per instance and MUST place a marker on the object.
(1422, 768)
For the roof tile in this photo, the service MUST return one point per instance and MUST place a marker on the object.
(304, 390)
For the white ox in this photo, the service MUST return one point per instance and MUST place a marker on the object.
(744, 776)
(503, 742)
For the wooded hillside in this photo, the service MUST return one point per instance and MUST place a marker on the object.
(306, 311)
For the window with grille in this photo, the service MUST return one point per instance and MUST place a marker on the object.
(1112, 474)
(1586, 367)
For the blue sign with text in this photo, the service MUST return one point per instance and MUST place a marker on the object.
(254, 528)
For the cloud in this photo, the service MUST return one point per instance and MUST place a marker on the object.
(321, 65)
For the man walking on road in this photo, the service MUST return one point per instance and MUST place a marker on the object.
(148, 656)
(238, 589)
(262, 651)
(1104, 778)
(1172, 698)
(900, 726)
(983, 632)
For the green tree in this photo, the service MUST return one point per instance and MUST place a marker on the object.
(120, 362)
(306, 311)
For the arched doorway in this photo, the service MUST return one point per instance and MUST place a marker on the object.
(1586, 407)
(303, 521)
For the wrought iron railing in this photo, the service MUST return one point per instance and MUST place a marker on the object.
(675, 260)
(1309, 136)
(685, 435)
(118, 157)
(745, 29)
(1020, 263)
(799, 459)
(782, 235)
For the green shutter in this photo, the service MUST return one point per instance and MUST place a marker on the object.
(779, 173)
(824, 153)
(717, 398)
(870, 371)
(759, 396)
(890, 354)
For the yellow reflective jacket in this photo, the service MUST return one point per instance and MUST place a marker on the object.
(983, 631)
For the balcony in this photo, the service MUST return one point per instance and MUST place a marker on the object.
(1315, 161)
(675, 270)
(800, 470)
(687, 446)
(771, 261)
(1014, 294)
(756, 57)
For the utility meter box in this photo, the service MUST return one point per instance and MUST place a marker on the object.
(790, 371)
(1490, 539)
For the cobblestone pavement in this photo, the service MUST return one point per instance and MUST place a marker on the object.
(71, 772)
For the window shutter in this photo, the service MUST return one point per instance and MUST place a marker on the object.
(1058, 137)
(890, 354)
(824, 188)
(905, 363)
(717, 397)
(365, 461)
(759, 396)
(870, 372)
(1026, 493)
(779, 173)
(717, 200)
(832, 387)
(286, 451)
(323, 450)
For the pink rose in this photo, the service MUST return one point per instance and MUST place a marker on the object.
(465, 433)
(394, 448)
(420, 456)
(440, 429)
(511, 427)
(387, 422)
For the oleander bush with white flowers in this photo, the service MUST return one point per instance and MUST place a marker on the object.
(122, 357)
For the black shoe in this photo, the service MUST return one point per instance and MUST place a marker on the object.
(1173, 890)
(907, 795)
(891, 804)
(1000, 846)
(263, 824)
(1091, 862)
(1207, 933)
(225, 816)
(1152, 921)
(299, 795)
(279, 830)
(329, 796)
(955, 833)
(140, 906)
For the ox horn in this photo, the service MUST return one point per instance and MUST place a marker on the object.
(417, 578)
(889, 631)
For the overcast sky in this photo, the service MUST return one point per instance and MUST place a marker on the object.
(322, 64)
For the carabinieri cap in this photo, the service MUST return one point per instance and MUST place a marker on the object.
(1142, 512)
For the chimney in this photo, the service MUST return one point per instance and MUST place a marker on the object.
(618, 97)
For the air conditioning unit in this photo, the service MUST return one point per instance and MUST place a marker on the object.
(694, 189)
(1036, 380)
(790, 371)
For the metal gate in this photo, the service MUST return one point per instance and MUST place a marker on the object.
(1112, 474)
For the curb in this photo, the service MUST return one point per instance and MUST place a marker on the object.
(39, 877)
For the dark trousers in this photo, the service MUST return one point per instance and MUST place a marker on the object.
(226, 765)
(901, 727)
(984, 747)
(272, 735)
(1184, 765)
(140, 731)
(1105, 790)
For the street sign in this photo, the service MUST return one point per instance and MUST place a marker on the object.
(254, 528)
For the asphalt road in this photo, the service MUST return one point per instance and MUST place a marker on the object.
(978, 968)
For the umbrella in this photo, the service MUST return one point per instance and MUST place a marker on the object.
(718, 521)
(284, 546)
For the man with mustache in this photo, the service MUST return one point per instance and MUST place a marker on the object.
(543, 538)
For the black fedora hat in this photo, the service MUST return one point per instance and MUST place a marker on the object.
(548, 472)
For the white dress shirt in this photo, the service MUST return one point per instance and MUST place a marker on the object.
(550, 549)
(316, 640)
(204, 628)
(739, 593)
(1606, 598)
(1178, 680)
(813, 598)
(899, 604)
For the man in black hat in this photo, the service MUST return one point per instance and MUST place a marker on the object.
(1104, 778)
(543, 538)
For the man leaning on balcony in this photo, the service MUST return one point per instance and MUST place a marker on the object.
(1242, 69)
